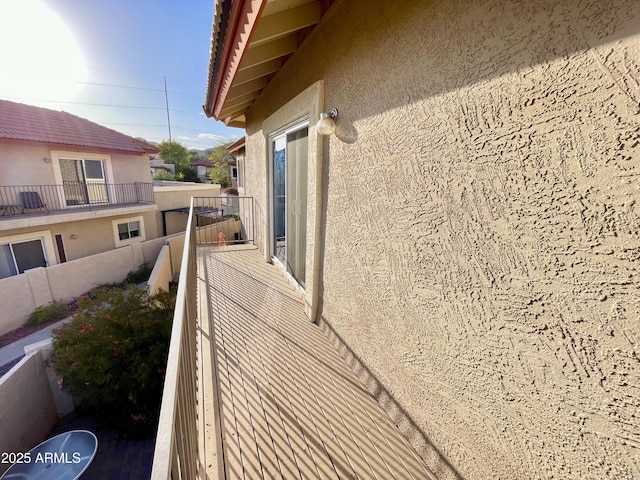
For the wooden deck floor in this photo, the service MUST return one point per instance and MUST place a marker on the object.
(275, 391)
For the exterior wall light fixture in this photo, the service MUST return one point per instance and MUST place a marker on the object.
(327, 123)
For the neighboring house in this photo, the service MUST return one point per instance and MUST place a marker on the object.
(237, 164)
(157, 165)
(69, 188)
(202, 169)
(471, 231)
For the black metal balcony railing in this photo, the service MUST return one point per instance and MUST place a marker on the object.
(29, 199)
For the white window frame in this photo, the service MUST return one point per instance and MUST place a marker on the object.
(281, 132)
(116, 234)
(45, 238)
(56, 155)
(240, 178)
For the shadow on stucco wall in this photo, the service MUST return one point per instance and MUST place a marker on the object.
(437, 462)
(435, 459)
(345, 131)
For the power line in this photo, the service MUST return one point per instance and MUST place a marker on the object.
(96, 104)
(84, 103)
(160, 90)
(119, 86)
(151, 125)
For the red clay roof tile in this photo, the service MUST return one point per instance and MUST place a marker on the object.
(21, 123)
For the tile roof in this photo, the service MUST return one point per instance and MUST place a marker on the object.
(27, 124)
(237, 145)
(202, 163)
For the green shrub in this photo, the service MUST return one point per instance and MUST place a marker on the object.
(48, 313)
(140, 275)
(164, 175)
(112, 356)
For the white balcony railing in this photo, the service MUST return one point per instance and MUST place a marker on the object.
(176, 450)
(71, 196)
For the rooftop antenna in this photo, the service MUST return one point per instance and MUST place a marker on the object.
(166, 99)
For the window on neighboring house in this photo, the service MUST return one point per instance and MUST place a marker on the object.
(240, 172)
(16, 257)
(128, 230)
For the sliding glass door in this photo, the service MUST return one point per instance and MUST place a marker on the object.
(289, 152)
(84, 181)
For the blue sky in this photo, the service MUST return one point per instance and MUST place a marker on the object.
(79, 55)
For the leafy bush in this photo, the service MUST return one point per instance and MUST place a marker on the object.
(164, 175)
(140, 275)
(230, 191)
(112, 356)
(48, 313)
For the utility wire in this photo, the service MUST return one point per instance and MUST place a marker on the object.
(151, 125)
(138, 88)
(96, 104)
(84, 103)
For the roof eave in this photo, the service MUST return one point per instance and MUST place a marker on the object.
(243, 18)
(74, 147)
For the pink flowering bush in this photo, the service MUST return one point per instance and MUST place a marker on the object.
(113, 354)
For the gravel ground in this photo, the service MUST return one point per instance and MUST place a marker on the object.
(7, 366)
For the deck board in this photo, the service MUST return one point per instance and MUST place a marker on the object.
(274, 392)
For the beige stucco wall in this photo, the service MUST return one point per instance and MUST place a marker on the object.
(161, 274)
(21, 294)
(130, 168)
(87, 237)
(72, 279)
(23, 165)
(28, 410)
(34, 165)
(169, 196)
(17, 312)
(482, 230)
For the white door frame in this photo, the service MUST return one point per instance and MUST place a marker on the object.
(282, 132)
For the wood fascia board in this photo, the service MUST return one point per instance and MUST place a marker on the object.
(240, 100)
(244, 24)
(238, 122)
(248, 87)
(257, 71)
(269, 51)
(286, 22)
(236, 110)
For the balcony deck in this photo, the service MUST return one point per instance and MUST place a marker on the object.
(275, 390)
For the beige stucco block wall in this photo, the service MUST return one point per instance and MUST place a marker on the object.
(21, 294)
(482, 232)
(176, 247)
(27, 409)
(161, 274)
(39, 285)
(15, 313)
(71, 279)
(169, 197)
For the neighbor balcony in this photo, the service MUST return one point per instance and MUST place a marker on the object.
(253, 389)
(21, 204)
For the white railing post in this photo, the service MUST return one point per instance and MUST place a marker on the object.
(176, 450)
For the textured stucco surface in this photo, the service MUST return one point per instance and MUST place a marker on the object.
(92, 236)
(482, 227)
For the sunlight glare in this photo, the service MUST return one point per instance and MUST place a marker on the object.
(39, 58)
